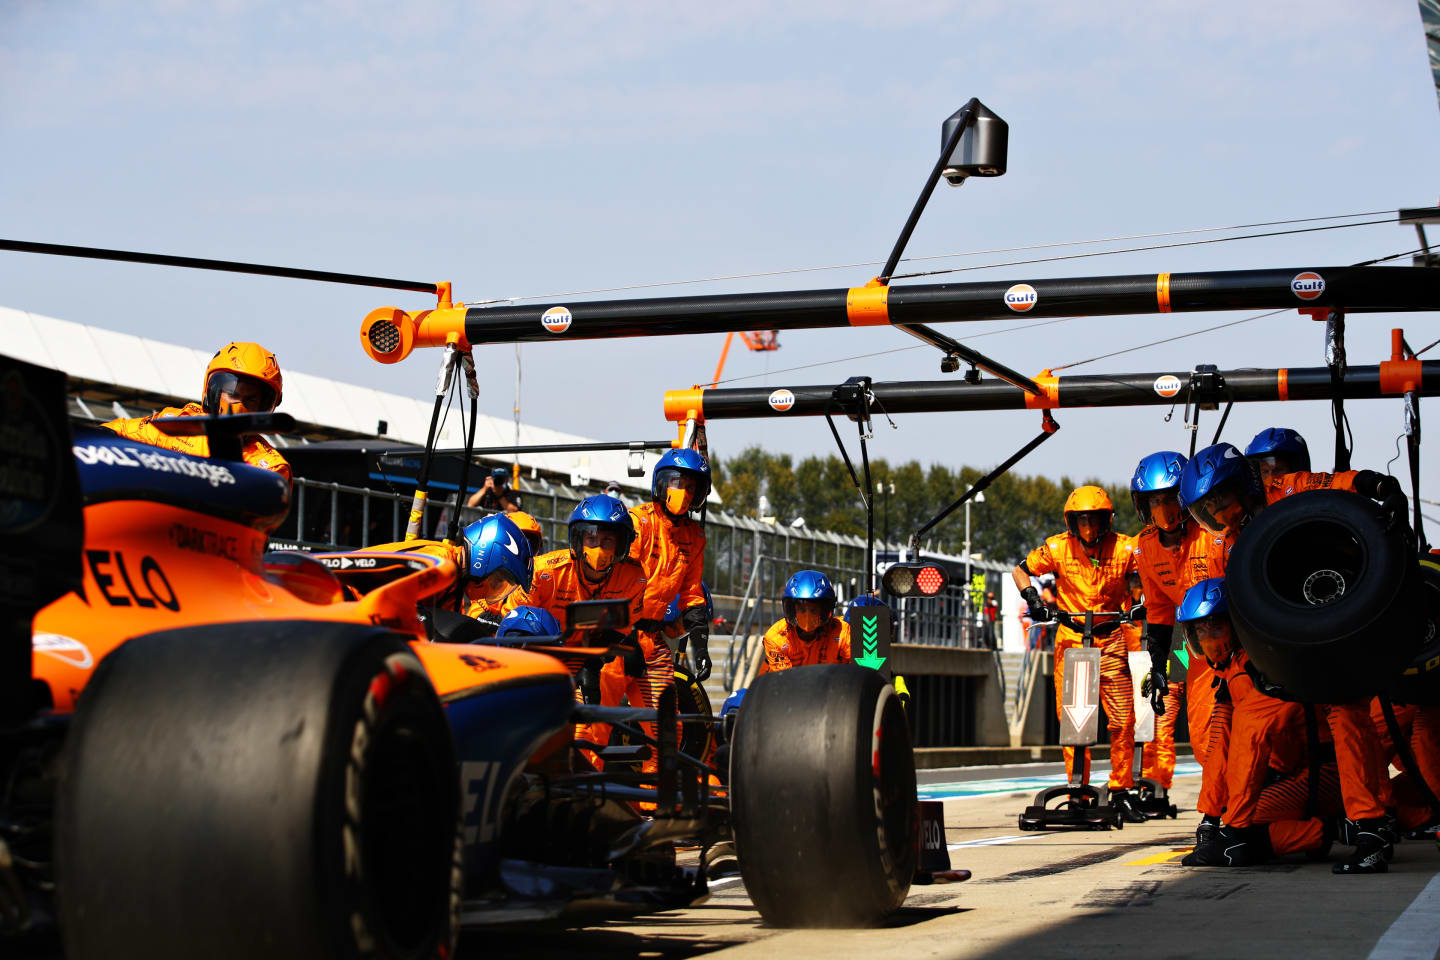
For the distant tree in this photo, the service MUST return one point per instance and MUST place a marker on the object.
(1019, 511)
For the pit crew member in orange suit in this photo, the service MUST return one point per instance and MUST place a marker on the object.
(595, 566)
(490, 613)
(670, 546)
(1091, 563)
(809, 633)
(493, 557)
(1420, 726)
(241, 378)
(1222, 490)
(1264, 763)
(1160, 551)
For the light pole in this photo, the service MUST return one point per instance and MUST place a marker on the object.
(969, 604)
(888, 489)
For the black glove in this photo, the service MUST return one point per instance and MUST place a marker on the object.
(1157, 682)
(1384, 490)
(632, 658)
(588, 680)
(1039, 613)
(698, 624)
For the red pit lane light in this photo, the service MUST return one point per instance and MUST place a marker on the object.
(915, 579)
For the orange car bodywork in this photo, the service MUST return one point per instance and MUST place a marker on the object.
(154, 566)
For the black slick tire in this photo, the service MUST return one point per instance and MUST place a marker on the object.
(1324, 600)
(268, 790)
(823, 797)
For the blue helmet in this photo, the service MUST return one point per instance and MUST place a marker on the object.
(529, 622)
(672, 612)
(1158, 471)
(675, 463)
(1205, 599)
(1218, 470)
(601, 512)
(495, 546)
(808, 585)
(1281, 441)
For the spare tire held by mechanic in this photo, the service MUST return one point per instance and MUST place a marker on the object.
(1325, 600)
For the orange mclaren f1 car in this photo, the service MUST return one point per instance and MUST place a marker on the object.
(208, 750)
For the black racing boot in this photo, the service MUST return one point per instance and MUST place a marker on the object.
(1234, 847)
(1124, 801)
(1389, 828)
(1370, 847)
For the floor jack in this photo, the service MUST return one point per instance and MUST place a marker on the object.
(1151, 798)
(1081, 805)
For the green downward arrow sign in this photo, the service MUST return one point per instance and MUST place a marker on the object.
(870, 643)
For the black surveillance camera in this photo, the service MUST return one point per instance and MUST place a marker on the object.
(949, 363)
(983, 148)
(973, 374)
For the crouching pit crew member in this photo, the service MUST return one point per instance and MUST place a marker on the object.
(1222, 490)
(1091, 564)
(241, 378)
(809, 633)
(1258, 774)
(490, 612)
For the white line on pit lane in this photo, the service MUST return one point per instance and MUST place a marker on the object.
(1416, 932)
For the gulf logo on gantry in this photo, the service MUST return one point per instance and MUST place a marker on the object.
(1021, 297)
(781, 401)
(556, 319)
(1307, 285)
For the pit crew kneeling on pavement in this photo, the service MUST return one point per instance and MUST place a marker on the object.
(809, 633)
(1258, 774)
(1092, 564)
(493, 557)
(1222, 490)
(241, 378)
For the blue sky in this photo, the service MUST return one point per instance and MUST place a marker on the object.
(524, 150)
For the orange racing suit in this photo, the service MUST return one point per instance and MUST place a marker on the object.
(784, 648)
(1083, 582)
(558, 582)
(1420, 726)
(256, 452)
(671, 551)
(1163, 576)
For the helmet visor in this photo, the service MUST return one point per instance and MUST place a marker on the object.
(230, 392)
(596, 543)
(1164, 509)
(677, 490)
(493, 587)
(810, 615)
(1212, 638)
(1225, 509)
(1090, 525)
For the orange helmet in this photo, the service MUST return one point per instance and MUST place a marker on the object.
(249, 360)
(531, 528)
(1089, 500)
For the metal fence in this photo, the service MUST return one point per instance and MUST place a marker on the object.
(747, 561)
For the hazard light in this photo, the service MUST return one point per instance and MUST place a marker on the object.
(915, 579)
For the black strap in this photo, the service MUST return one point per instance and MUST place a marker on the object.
(1312, 750)
(1407, 756)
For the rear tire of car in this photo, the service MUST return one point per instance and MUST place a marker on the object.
(1282, 580)
(823, 797)
(1419, 684)
(259, 790)
(696, 738)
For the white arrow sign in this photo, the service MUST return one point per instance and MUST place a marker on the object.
(1079, 711)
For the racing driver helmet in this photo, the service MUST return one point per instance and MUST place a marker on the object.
(1159, 473)
(1221, 489)
(246, 371)
(601, 532)
(1204, 621)
(681, 480)
(1276, 451)
(498, 559)
(808, 601)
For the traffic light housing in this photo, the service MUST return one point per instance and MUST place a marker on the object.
(915, 579)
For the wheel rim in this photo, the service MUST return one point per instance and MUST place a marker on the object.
(1314, 563)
